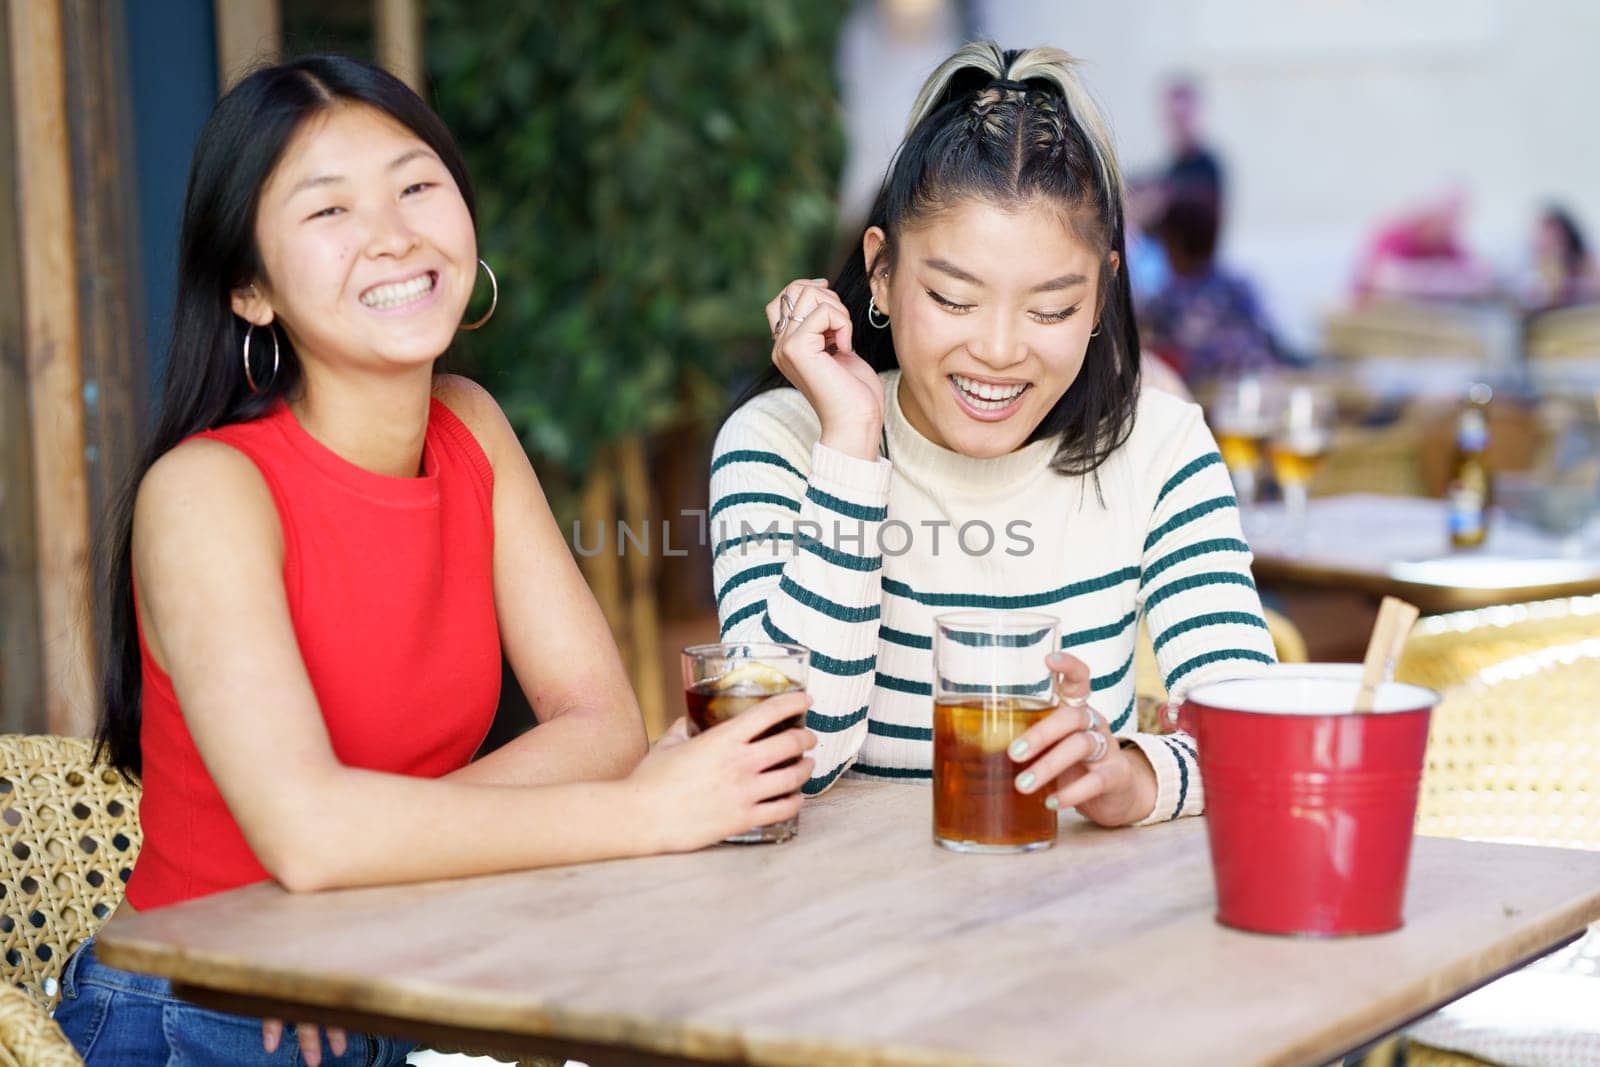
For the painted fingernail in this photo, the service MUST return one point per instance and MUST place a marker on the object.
(1025, 780)
(1019, 748)
(1052, 803)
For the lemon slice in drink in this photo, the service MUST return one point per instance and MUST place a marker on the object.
(986, 729)
(761, 677)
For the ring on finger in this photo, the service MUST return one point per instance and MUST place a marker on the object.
(1101, 747)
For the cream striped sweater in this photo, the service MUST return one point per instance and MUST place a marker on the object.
(853, 559)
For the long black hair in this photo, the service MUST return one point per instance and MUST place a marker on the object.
(205, 384)
(1004, 127)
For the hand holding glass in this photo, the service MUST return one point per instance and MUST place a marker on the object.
(722, 681)
(990, 684)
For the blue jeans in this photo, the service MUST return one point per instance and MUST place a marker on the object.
(118, 1017)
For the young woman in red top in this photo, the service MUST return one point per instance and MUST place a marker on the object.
(325, 551)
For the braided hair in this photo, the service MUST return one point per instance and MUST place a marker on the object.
(1009, 128)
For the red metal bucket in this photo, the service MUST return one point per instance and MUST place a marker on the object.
(1309, 806)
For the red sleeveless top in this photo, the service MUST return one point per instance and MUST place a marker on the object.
(390, 587)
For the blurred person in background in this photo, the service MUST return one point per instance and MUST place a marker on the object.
(1194, 170)
(1563, 271)
(973, 367)
(1206, 321)
(1423, 256)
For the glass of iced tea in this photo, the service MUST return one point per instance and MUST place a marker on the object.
(990, 683)
(721, 681)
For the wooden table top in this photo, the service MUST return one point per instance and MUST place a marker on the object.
(1399, 546)
(861, 942)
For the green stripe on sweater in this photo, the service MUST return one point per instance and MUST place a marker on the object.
(842, 668)
(765, 535)
(1127, 713)
(1193, 467)
(751, 455)
(1186, 516)
(842, 559)
(832, 724)
(902, 685)
(903, 773)
(742, 614)
(1106, 681)
(750, 574)
(1197, 581)
(904, 733)
(1214, 618)
(1033, 600)
(1187, 552)
(901, 637)
(1183, 775)
(1099, 633)
(735, 499)
(1216, 656)
(802, 595)
(844, 507)
(817, 785)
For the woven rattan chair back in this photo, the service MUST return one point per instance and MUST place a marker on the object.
(1514, 754)
(70, 830)
(1446, 650)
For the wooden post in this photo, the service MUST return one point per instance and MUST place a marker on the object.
(399, 33)
(248, 32)
(114, 372)
(597, 524)
(644, 629)
(55, 377)
(21, 671)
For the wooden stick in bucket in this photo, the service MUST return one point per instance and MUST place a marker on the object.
(1395, 619)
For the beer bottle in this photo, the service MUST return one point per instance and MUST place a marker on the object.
(1471, 485)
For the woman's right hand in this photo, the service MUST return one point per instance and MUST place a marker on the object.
(811, 346)
(724, 782)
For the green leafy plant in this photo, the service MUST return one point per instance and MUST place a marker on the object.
(648, 175)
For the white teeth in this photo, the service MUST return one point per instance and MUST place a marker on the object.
(384, 297)
(986, 397)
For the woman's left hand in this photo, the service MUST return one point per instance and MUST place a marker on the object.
(1073, 753)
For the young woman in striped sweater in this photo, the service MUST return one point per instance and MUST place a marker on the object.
(964, 427)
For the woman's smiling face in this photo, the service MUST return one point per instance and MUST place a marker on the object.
(367, 244)
(991, 310)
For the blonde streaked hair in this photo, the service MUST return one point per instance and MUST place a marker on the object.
(1056, 68)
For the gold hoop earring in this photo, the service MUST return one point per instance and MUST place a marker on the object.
(873, 314)
(494, 299)
(250, 379)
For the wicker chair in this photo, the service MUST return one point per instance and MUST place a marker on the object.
(70, 830)
(1514, 755)
(71, 833)
(1447, 650)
